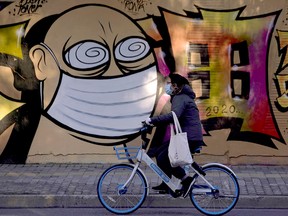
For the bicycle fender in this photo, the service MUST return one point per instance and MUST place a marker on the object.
(221, 165)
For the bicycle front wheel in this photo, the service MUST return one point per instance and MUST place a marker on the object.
(114, 196)
(222, 198)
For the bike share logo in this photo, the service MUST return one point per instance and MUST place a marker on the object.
(160, 173)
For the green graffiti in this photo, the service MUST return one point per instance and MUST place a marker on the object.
(10, 40)
(7, 106)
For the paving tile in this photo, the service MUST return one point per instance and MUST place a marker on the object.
(76, 179)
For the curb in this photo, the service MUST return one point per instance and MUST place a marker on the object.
(91, 201)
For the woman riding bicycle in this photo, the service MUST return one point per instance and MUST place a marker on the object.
(184, 106)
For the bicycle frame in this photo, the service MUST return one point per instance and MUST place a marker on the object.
(142, 156)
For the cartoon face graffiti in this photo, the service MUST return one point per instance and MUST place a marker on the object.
(99, 80)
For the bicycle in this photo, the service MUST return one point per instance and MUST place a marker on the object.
(122, 188)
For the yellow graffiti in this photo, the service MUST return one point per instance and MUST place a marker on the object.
(7, 106)
(283, 99)
(10, 40)
(283, 41)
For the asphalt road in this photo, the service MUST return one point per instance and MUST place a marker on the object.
(139, 212)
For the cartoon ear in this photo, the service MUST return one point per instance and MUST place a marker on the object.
(38, 56)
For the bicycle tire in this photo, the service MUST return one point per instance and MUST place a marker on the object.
(118, 200)
(218, 202)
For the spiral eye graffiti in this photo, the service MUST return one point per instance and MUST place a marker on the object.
(87, 55)
(132, 49)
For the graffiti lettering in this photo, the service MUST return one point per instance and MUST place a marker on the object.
(282, 86)
(28, 6)
(281, 80)
(282, 40)
(134, 5)
(223, 110)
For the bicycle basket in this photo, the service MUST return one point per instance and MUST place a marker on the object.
(126, 152)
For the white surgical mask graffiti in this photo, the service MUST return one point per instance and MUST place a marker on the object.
(105, 107)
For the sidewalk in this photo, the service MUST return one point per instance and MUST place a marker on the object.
(74, 185)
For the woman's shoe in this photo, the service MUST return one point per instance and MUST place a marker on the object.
(161, 187)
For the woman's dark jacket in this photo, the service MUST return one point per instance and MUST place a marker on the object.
(184, 106)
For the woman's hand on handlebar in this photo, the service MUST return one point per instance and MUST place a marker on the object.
(146, 127)
(148, 122)
(144, 130)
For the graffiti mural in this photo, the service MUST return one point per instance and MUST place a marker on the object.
(78, 78)
(230, 67)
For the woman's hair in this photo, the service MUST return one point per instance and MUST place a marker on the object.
(178, 79)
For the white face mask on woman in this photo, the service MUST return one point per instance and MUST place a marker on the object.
(168, 89)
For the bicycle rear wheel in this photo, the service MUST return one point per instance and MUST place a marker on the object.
(223, 198)
(116, 198)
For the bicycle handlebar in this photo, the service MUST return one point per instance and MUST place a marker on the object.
(144, 130)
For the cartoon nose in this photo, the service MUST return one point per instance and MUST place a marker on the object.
(112, 71)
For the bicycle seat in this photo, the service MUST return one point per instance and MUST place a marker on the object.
(196, 150)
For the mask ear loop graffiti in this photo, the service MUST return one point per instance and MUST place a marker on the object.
(41, 82)
(41, 94)
(51, 52)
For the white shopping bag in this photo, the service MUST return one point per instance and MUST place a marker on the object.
(178, 150)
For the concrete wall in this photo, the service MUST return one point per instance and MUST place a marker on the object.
(78, 77)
